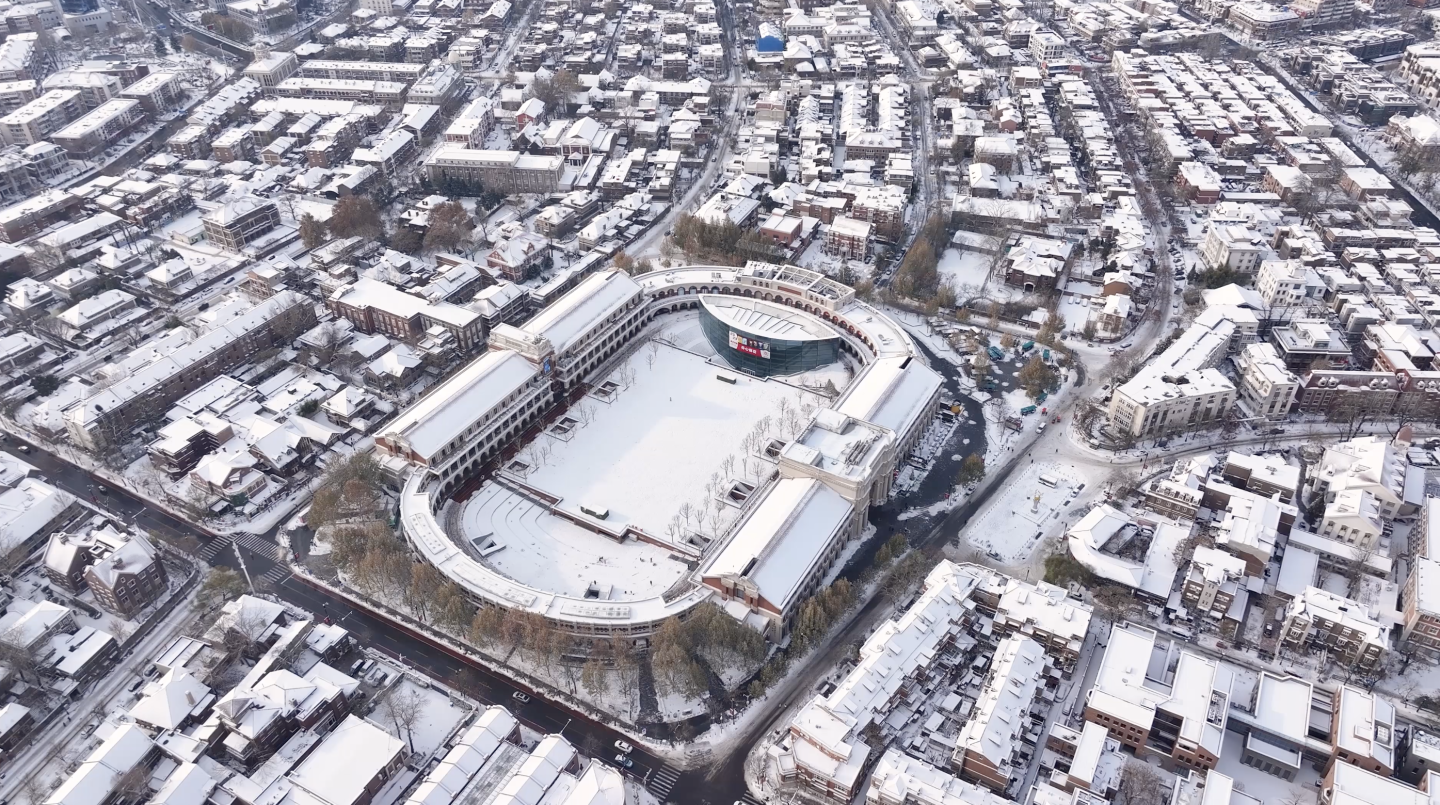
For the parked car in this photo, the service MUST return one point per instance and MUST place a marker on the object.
(520, 697)
(624, 762)
(624, 747)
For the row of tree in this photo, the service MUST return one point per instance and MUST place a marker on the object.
(720, 243)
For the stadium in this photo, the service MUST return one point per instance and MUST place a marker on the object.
(644, 444)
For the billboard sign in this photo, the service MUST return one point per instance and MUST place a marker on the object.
(749, 346)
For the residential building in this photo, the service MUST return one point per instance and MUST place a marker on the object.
(1320, 620)
(236, 224)
(1267, 387)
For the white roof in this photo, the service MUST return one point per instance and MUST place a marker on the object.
(582, 307)
(23, 625)
(94, 781)
(892, 393)
(349, 758)
(758, 317)
(27, 508)
(443, 414)
(188, 785)
(998, 723)
(783, 539)
(170, 700)
(1198, 694)
(1282, 705)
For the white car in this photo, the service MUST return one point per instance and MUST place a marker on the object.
(624, 747)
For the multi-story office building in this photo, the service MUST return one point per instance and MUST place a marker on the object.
(1175, 711)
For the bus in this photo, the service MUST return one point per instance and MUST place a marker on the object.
(1050, 481)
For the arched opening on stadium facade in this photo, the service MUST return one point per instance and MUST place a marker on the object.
(766, 339)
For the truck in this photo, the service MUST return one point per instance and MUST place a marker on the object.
(1027, 410)
(1046, 355)
(995, 354)
(1014, 423)
(1027, 346)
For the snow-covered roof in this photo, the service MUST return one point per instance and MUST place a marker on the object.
(581, 308)
(997, 725)
(171, 699)
(346, 761)
(28, 621)
(27, 508)
(527, 786)
(758, 317)
(1282, 706)
(1365, 726)
(187, 785)
(465, 759)
(892, 392)
(782, 540)
(1198, 695)
(95, 780)
(468, 395)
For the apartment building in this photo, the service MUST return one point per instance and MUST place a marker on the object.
(1286, 283)
(987, 750)
(1213, 584)
(1267, 387)
(236, 224)
(156, 92)
(38, 119)
(1319, 620)
(1371, 464)
(828, 747)
(1179, 389)
(398, 72)
(1264, 475)
(1353, 517)
(1177, 713)
(95, 87)
(848, 238)
(386, 93)
(100, 127)
(1232, 247)
(157, 379)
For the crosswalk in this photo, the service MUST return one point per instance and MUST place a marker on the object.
(275, 575)
(662, 781)
(214, 547)
(257, 545)
(249, 542)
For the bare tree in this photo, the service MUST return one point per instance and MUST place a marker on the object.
(1140, 785)
(403, 707)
